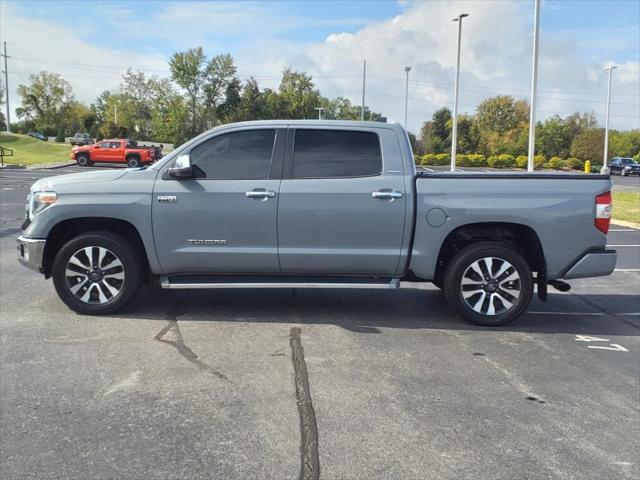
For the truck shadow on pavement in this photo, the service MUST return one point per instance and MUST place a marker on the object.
(368, 311)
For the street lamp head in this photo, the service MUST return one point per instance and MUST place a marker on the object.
(611, 67)
(407, 69)
(460, 17)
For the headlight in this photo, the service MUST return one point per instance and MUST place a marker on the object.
(39, 201)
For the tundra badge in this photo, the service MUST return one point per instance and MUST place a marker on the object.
(167, 198)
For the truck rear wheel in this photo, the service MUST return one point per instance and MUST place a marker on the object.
(97, 273)
(82, 159)
(489, 283)
(133, 162)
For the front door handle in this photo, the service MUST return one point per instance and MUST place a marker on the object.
(386, 194)
(260, 193)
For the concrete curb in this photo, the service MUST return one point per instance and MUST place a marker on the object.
(624, 223)
(11, 166)
(51, 166)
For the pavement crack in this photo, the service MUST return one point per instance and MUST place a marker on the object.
(177, 308)
(309, 459)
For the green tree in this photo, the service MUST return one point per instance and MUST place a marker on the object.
(43, 100)
(298, 95)
(624, 144)
(589, 145)
(189, 71)
(441, 124)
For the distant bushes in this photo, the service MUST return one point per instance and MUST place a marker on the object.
(504, 160)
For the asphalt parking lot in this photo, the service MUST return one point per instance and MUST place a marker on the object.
(282, 383)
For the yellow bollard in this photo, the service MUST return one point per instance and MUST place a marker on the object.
(587, 166)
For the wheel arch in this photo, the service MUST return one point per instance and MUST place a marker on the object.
(519, 236)
(70, 228)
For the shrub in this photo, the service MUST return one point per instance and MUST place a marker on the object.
(502, 161)
(427, 159)
(574, 164)
(556, 163)
(538, 161)
(60, 136)
(522, 161)
(472, 160)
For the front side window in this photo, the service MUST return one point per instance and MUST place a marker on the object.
(335, 154)
(103, 144)
(244, 155)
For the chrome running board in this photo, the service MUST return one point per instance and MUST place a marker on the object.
(181, 283)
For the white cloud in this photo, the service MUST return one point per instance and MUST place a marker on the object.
(496, 55)
(496, 58)
(35, 45)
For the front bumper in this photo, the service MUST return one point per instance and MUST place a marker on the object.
(31, 252)
(593, 264)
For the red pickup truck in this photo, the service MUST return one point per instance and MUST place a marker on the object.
(115, 151)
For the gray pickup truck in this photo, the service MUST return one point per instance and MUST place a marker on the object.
(315, 204)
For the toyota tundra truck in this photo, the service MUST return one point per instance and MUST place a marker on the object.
(114, 151)
(315, 204)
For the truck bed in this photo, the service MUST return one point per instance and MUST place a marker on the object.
(558, 207)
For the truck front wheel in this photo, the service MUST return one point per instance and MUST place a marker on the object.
(97, 273)
(489, 283)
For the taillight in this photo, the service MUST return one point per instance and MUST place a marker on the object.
(603, 212)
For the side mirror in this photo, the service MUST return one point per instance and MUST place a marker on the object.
(96, 146)
(182, 168)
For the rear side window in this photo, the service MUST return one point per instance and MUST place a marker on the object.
(336, 153)
(244, 155)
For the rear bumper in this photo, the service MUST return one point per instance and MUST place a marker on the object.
(30, 252)
(593, 264)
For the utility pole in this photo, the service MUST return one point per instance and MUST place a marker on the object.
(6, 84)
(534, 82)
(364, 80)
(406, 96)
(605, 168)
(320, 110)
(454, 129)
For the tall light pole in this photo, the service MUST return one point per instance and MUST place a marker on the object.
(534, 83)
(364, 80)
(605, 169)
(454, 129)
(320, 109)
(6, 85)
(406, 96)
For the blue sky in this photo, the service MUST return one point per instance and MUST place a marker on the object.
(92, 43)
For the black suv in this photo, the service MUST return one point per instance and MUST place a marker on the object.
(624, 166)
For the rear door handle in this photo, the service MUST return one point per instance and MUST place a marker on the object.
(386, 194)
(260, 193)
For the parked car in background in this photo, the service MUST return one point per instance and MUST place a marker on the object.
(113, 151)
(314, 204)
(624, 166)
(81, 139)
(39, 136)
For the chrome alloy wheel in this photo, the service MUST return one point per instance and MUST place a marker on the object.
(95, 275)
(490, 286)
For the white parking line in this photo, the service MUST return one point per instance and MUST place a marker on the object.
(591, 314)
(627, 270)
(618, 246)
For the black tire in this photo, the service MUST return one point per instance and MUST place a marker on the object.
(116, 246)
(82, 159)
(488, 293)
(133, 162)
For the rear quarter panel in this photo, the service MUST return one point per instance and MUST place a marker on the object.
(560, 210)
